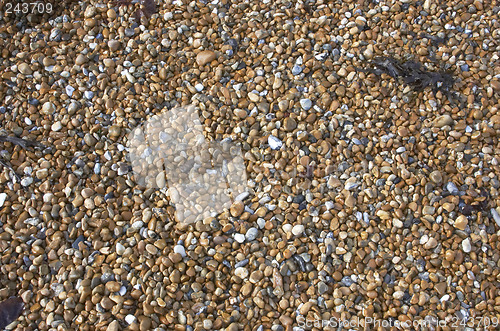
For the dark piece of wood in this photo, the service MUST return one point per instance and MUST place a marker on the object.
(24, 143)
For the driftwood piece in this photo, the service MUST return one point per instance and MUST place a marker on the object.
(414, 75)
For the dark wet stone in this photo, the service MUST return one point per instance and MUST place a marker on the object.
(77, 241)
(299, 199)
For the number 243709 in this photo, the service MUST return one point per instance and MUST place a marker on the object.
(28, 8)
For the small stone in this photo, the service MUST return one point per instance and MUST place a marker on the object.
(114, 131)
(428, 210)
(461, 222)
(111, 13)
(80, 59)
(306, 104)
(322, 288)
(69, 90)
(274, 142)
(113, 326)
(120, 249)
(25, 69)
(3, 197)
(254, 97)
(298, 230)
(431, 243)
(205, 57)
(495, 215)
(296, 70)
(199, 87)
(57, 126)
(443, 120)
(289, 124)
(255, 276)
(48, 108)
(398, 295)
(452, 188)
(436, 177)
(236, 208)
(180, 250)
(239, 237)
(351, 183)
(251, 234)
(241, 272)
(130, 319)
(114, 45)
(466, 245)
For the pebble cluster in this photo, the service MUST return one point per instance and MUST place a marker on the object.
(364, 198)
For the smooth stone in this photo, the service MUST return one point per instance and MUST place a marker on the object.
(239, 237)
(274, 142)
(237, 208)
(306, 104)
(114, 45)
(25, 69)
(241, 272)
(436, 177)
(180, 250)
(3, 197)
(495, 216)
(466, 245)
(251, 234)
(205, 57)
(298, 230)
(443, 120)
(48, 108)
(289, 124)
(461, 222)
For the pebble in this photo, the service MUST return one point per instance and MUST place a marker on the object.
(239, 237)
(443, 120)
(274, 142)
(3, 197)
(298, 230)
(466, 245)
(461, 222)
(205, 57)
(306, 104)
(25, 69)
(251, 234)
(495, 215)
(179, 249)
(241, 272)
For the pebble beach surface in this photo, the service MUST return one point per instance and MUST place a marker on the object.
(366, 199)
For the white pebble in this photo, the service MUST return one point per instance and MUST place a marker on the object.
(242, 196)
(123, 290)
(120, 249)
(130, 319)
(199, 87)
(496, 216)
(57, 126)
(466, 246)
(239, 237)
(298, 230)
(241, 272)
(306, 104)
(26, 181)
(274, 142)
(180, 249)
(287, 228)
(3, 197)
(69, 90)
(251, 234)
